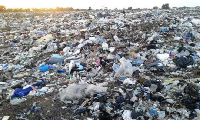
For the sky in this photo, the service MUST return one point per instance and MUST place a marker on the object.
(96, 4)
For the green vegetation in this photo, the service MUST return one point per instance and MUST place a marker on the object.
(3, 9)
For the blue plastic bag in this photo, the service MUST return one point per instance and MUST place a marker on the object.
(52, 67)
(123, 78)
(139, 62)
(115, 67)
(21, 92)
(61, 71)
(188, 34)
(80, 67)
(44, 68)
(164, 29)
(101, 40)
(186, 38)
(152, 112)
(40, 82)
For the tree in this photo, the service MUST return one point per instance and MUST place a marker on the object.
(9, 10)
(90, 8)
(27, 10)
(129, 8)
(155, 7)
(2, 8)
(165, 6)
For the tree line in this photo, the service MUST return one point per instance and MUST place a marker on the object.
(4, 9)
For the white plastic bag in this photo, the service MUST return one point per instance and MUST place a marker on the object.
(77, 91)
(127, 115)
(116, 38)
(162, 57)
(126, 68)
(66, 50)
(196, 21)
(105, 46)
(71, 65)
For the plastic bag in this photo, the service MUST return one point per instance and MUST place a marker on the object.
(66, 50)
(127, 115)
(196, 21)
(77, 91)
(21, 92)
(162, 57)
(126, 68)
(105, 46)
(44, 68)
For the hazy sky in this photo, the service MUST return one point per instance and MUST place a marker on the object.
(97, 3)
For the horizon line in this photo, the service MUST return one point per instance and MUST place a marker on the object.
(89, 7)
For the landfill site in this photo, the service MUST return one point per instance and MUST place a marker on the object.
(139, 64)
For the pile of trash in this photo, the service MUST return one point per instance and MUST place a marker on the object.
(141, 64)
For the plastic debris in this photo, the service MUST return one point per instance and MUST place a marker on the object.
(105, 64)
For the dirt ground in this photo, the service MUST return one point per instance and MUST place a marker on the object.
(50, 109)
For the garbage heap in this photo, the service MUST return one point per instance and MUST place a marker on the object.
(141, 64)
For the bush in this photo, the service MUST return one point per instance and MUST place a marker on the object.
(155, 7)
(165, 6)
